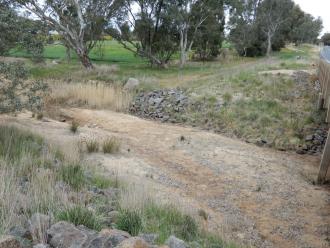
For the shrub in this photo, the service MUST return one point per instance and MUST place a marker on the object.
(111, 145)
(16, 92)
(73, 174)
(80, 215)
(92, 146)
(74, 126)
(129, 221)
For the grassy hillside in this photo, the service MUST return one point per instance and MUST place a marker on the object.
(38, 178)
(260, 98)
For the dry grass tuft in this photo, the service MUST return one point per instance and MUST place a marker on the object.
(111, 145)
(92, 94)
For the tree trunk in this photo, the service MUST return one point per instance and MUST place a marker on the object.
(85, 60)
(68, 53)
(269, 44)
(183, 46)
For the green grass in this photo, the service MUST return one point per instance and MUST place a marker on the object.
(15, 144)
(130, 221)
(103, 182)
(80, 215)
(167, 220)
(113, 53)
(73, 175)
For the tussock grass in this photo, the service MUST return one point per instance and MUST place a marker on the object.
(27, 183)
(141, 213)
(111, 145)
(104, 182)
(94, 95)
(73, 175)
(130, 221)
(92, 145)
(74, 126)
(80, 215)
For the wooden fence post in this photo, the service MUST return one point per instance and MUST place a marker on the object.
(320, 102)
(325, 162)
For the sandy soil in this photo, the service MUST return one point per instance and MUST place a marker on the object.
(253, 195)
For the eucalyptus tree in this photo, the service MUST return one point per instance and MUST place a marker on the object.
(149, 30)
(79, 22)
(272, 15)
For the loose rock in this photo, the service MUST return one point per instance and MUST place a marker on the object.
(174, 242)
(39, 223)
(131, 84)
(164, 105)
(134, 242)
(9, 242)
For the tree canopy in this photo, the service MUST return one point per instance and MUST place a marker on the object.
(259, 26)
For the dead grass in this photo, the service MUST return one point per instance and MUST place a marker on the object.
(91, 94)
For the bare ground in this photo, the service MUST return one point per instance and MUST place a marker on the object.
(254, 196)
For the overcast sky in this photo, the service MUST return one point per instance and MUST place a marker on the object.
(317, 8)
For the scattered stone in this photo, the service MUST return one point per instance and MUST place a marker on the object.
(64, 234)
(113, 216)
(41, 246)
(174, 242)
(134, 242)
(116, 236)
(314, 141)
(20, 232)
(150, 238)
(9, 241)
(131, 84)
(163, 105)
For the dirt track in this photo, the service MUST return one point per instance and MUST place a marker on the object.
(261, 197)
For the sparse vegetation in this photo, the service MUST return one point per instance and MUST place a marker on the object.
(73, 175)
(130, 221)
(74, 126)
(92, 146)
(111, 145)
(103, 182)
(80, 215)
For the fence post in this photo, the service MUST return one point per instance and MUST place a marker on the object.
(320, 102)
(325, 162)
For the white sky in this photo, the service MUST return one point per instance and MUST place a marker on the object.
(317, 8)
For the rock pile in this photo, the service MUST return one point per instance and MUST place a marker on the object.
(66, 235)
(163, 105)
(314, 142)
